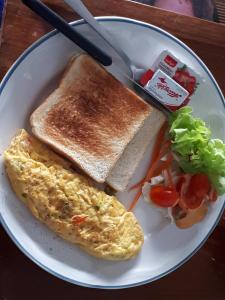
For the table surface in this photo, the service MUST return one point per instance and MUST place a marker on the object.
(202, 277)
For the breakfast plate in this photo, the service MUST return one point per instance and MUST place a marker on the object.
(32, 77)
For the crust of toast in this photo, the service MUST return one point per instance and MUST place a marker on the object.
(123, 170)
(90, 118)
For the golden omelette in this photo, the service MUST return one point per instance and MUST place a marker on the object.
(68, 203)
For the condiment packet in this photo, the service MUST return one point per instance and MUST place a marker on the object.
(179, 72)
(166, 90)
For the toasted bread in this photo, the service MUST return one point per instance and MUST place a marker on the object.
(126, 165)
(90, 118)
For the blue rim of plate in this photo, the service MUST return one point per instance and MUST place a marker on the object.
(4, 82)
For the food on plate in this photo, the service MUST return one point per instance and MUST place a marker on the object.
(193, 216)
(156, 154)
(90, 118)
(125, 166)
(182, 74)
(68, 203)
(196, 151)
(166, 90)
(187, 170)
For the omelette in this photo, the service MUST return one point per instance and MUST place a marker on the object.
(68, 203)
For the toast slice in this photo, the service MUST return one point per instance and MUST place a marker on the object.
(90, 118)
(126, 165)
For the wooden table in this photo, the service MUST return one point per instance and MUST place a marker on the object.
(203, 277)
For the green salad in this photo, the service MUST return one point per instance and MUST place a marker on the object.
(197, 152)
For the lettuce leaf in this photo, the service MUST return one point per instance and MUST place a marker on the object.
(197, 152)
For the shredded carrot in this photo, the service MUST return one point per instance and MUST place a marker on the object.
(148, 176)
(158, 170)
(162, 152)
(165, 145)
(158, 151)
(136, 198)
(138, 184)
(159, 140)
(164, 165)
(151, 170)
(170, 179)
(153, 167)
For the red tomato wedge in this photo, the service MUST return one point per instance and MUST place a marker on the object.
(192, 201)
(198, 188)
(164, 196)
(199, 185)
(180, 183)
(213, 195)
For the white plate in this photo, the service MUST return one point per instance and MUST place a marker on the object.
(166, 248)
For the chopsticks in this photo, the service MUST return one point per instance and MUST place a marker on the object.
(59, 23)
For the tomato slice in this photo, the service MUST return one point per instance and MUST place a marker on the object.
(213, 195)
(197, 190)
(179, 184)
(164, 196)
(199, 185)
(192, 201)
